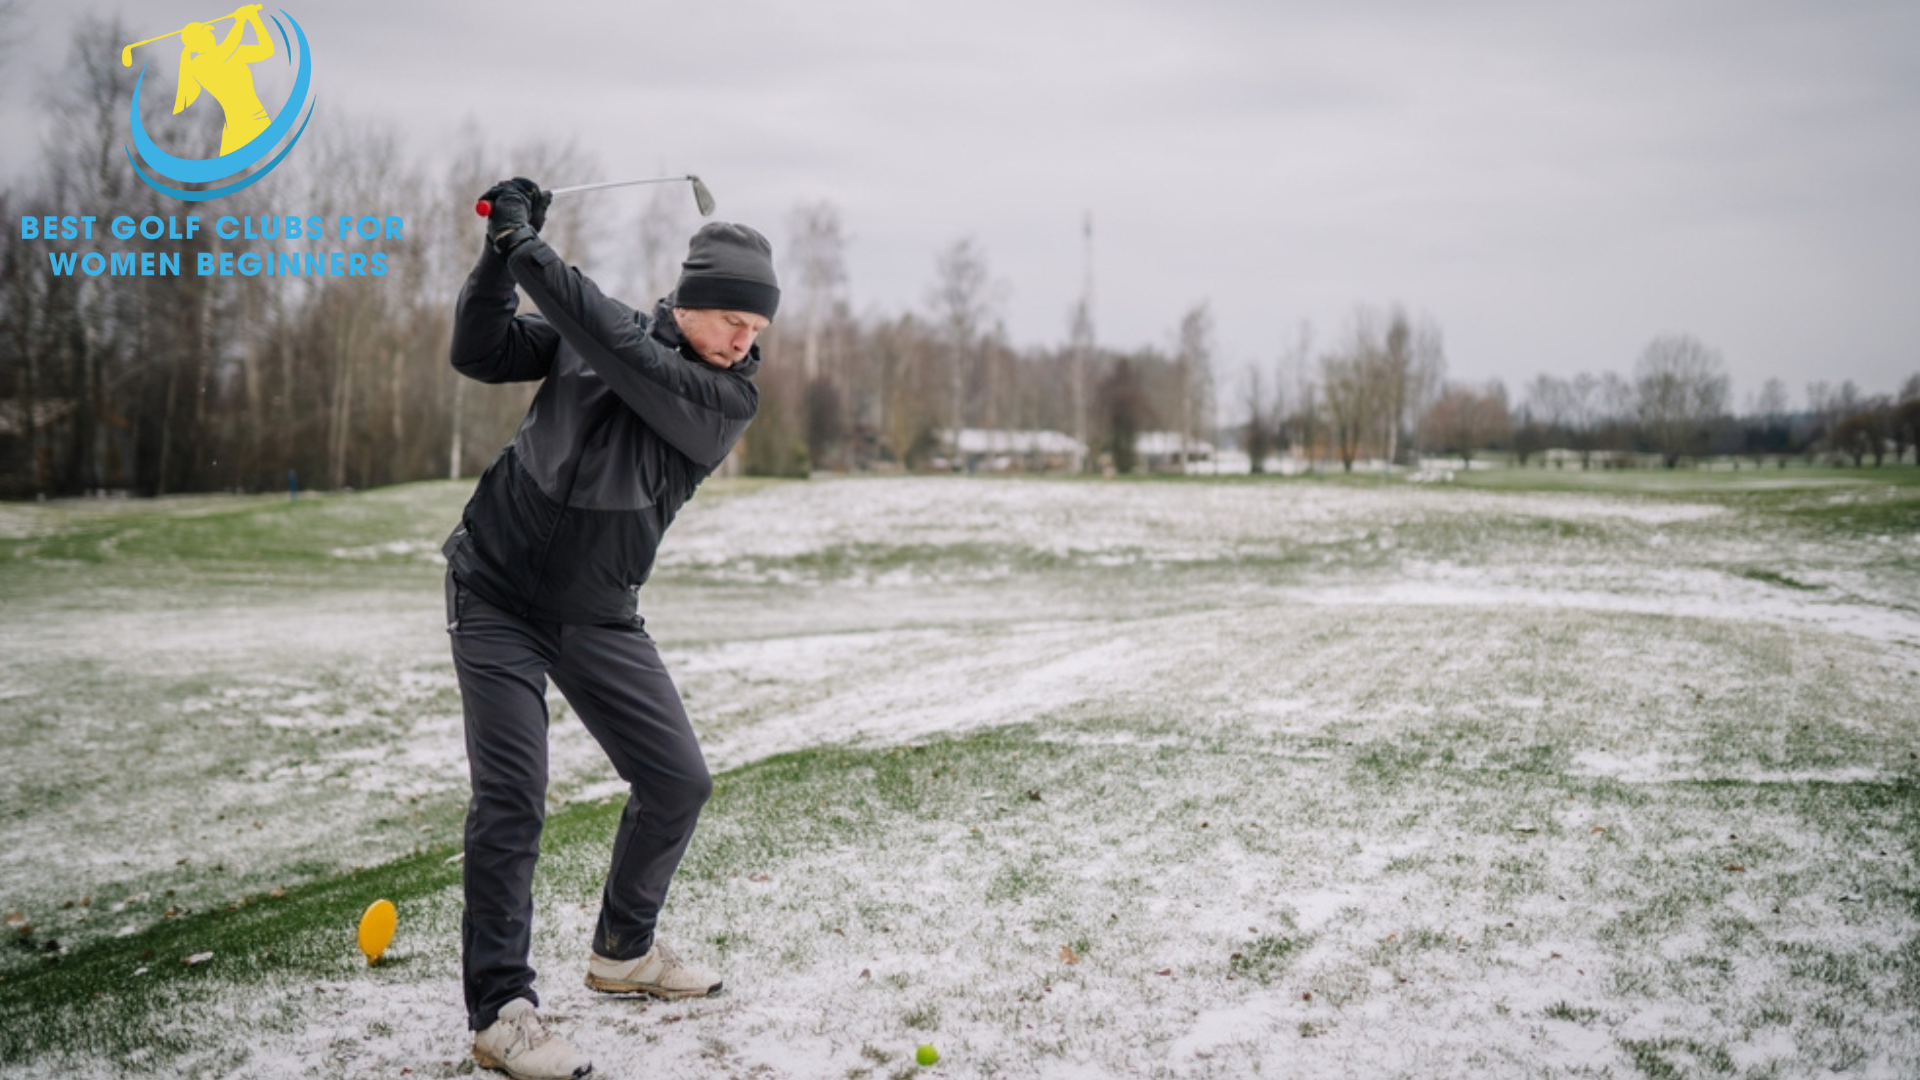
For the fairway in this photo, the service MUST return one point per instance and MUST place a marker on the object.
(1531, 774)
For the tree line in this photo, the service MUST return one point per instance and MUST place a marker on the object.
(164, 384)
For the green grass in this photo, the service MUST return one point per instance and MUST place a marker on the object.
(1132, 787)
(321, 541)
(833, 832)
(1687, 481)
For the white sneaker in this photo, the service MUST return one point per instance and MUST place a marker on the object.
(661, 973)
(519, 1045)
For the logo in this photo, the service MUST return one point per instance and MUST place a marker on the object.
(219, 67)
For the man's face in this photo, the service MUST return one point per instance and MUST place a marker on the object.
(721, 338)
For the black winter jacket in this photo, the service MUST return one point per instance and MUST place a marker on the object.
(564, 524)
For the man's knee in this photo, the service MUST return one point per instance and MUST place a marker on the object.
(508, 811)
(682, 795)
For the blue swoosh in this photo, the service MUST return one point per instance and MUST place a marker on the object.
(203, 196)
(200, 171)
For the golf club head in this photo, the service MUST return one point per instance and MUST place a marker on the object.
(702, 197)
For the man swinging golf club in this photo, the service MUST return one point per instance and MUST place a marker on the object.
(634, 410)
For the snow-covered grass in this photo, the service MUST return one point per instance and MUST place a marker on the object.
(1184, 778)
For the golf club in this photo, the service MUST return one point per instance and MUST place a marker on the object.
(126, 54)
(701, 196)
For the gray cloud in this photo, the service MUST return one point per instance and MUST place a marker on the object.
(1555, 184)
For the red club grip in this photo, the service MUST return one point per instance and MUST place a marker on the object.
(483, 208)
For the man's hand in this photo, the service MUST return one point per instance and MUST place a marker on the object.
(519, 211)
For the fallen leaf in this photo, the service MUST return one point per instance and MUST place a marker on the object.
(1598, 831)
(1068, 956)
(1034, 795)
(1736, 868)
(866, 973)
(759, 877)
(1307, 996)
(1164, 971)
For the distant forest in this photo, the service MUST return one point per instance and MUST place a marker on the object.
(163, 384)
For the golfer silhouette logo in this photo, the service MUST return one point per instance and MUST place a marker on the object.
(218, 66)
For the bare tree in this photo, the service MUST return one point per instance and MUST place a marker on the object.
(1468, 419)
(1127, 412)
(962, 301)
(1194, 362)
(1388, 357)
(1343, 376)
(1080, 340)
(1830, 406)
(817, 250)
(1547, 399)
(1765, 429)
(1861, 435)
(1426, 375)
(898, 351)
(1906, 429)
(1903, 421)
(1296, 368)
(1679, 387)
(1257, 431)
(1771, 401)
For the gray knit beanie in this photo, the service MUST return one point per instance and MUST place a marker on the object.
(728, 268)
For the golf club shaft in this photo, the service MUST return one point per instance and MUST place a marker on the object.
(615, 183)
(701, 196)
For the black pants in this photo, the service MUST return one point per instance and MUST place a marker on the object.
(613, 678)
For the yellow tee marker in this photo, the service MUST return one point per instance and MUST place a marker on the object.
(376, 929)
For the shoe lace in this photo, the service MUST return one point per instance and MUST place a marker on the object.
(528, 1034)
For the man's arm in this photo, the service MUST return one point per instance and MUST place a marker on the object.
(698, 409)
(490, 343)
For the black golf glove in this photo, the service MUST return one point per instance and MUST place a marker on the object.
(519, 210)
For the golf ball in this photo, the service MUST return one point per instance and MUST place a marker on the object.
(926, 1055)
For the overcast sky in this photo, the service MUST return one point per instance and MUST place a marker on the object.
(1553, 184)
